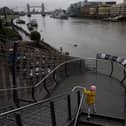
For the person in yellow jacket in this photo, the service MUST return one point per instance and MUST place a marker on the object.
(90, 98)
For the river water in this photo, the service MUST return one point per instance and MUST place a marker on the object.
(91, 36)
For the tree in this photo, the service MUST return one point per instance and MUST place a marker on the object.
(35, 36)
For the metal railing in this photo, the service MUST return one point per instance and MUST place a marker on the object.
(48, 84)
(55, 111)
(44, 88)
(28, 72)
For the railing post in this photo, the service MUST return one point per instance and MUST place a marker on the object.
(15, 94)
(52, 110)
(78, 97)
(69, 107)
(124, 77)
(80, 66)
(111, 69)
(54, 77)
(18, 120)
(96, 65)
(33, 94)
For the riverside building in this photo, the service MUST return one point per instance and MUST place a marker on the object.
(97, 9)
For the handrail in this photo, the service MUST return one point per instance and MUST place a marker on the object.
(43, 101)
(36, 103)
(81, 101)
(76, 118)
(55, 70)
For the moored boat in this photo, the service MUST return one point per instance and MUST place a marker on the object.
(33, 23)
(20, 21)
(59, 14)
(115, 19)
(30, 27)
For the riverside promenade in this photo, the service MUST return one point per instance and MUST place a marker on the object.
(110, 97)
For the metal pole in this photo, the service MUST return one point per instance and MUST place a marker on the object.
(76, 118)
(80, 66)
(111, 69)
(18, 120)
(33, 94)
(52, 110)
(124, 77)
(96, 65)
(69, 107)
(54, 77)
(78, 97)
(15, 94)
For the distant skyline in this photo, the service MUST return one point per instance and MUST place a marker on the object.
(50, 4)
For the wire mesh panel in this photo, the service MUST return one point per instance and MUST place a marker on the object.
(9, 120)
(40, 114)
(104, 66)
(61, 110)
(31, 66)
(90, 65)
(37, 116)
(73, 68)
(60, 74)
(50, 83)
(74, 103)
(118, 71)
(40, 91)
(6, 101)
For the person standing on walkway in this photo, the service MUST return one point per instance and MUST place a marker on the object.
(90, 99)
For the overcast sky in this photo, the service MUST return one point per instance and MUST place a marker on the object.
(50, 4)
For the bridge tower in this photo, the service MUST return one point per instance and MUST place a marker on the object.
(28, 10)
(43, 9)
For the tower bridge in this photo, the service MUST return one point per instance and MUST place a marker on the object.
(42, 7)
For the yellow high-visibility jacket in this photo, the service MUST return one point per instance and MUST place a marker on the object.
(90, 96)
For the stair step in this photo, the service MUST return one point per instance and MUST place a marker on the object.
(88, 123)
(102, 120)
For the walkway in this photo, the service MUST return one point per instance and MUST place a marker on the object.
(110, 93)
(109, 101)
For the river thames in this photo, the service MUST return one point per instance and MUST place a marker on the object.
(91, 36)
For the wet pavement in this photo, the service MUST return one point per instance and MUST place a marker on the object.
(110, 94)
